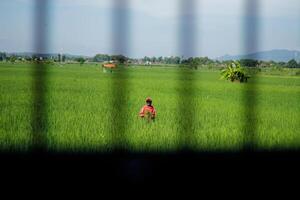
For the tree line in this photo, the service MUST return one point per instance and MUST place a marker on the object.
(192, 62)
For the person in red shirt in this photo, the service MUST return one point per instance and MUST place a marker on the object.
(148, 111)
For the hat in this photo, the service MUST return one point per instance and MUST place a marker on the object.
(148, 99)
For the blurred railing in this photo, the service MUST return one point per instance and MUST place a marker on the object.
(187, 48)
(250, 32)
(39, 114)
(121, 37)
(119, 96)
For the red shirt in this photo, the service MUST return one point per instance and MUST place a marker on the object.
(145, 109)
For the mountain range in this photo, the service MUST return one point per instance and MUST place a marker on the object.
(30, 54)
(278, 55)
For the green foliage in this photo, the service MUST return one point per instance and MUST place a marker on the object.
(12, 59)
(292, 64)
(2, 56)
(248, 63)
(80, 60)
(163, 60)
(120, 59)
(49, 62)
(191, 63)
(102, 58)
(234, 72)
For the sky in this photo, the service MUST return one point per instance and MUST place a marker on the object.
(152, 28)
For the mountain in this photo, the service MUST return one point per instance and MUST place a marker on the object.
(279, 55)
(30, 54)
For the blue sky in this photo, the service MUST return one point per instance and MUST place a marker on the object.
(85, 26)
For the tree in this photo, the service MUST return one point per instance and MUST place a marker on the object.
(292, 64)
(204, 61)
(2, 56)
(80, 60)
(120, 59)
(249, 62)
(146, 59)
(190, 62)
(28, 58)
(176, 60)
(63, 58)
(153, 59)
(12, 59)
(234, 72)
(160, 59)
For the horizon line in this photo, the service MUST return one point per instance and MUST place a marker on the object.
(90, 56)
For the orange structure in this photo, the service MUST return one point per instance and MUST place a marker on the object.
(109, 65)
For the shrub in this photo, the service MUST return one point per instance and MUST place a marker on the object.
(234, 72)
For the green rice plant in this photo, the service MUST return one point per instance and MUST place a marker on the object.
(79, 99)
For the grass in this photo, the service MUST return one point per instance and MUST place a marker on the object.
(84, 115)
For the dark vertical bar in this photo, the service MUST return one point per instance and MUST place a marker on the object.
(120, 27)
(187, 28)
(187, 48)
(298, 95)
(251, 32)
(39, 113)
(120, 40)
(298, 6)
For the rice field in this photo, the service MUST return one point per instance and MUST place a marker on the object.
(87, 110)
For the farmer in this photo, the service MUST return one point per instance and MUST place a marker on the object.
(148, 111)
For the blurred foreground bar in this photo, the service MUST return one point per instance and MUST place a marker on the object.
(39, 112)
(187, 48)
(119, 95)
(251, 34)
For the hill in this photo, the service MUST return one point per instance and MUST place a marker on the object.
(275, 55)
